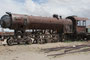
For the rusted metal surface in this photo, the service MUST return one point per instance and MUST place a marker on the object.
(80, 18)
(19, 21)
(81, 29)
(44, 29)
(6, 33)
(75, 20)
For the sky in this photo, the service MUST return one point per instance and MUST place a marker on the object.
(47, 7)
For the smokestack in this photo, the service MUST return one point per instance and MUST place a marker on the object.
(60, 17)
(55, 16)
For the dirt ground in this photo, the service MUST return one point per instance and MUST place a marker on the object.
(49, 51)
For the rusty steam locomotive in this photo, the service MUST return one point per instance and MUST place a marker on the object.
(44, 29)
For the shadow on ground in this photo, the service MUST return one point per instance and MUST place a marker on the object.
(67, 50)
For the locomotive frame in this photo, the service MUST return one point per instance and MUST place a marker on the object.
(44, 29)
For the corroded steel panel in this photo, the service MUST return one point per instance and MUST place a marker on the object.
(38, 22)
(81, 29)
(80, 18)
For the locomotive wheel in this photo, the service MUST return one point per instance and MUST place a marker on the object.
(18, 42)
(55, 38)
(40, 41)
(28, 42)
(10, 42)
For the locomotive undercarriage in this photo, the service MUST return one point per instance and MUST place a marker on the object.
(34, 37)
(43, 36)
(75, 37)
(38, 37)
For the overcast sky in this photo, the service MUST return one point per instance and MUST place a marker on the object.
(65, 8)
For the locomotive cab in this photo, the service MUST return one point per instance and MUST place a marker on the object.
(81, 26)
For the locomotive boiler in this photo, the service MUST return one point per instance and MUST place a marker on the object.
(43, 29)
(23, 22)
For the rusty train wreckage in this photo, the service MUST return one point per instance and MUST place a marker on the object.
(44, 29)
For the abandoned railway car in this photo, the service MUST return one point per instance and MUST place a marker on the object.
(44, 29)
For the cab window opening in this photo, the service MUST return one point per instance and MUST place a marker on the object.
(81, 23)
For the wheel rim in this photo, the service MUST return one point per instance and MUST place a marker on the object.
(10, 42)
